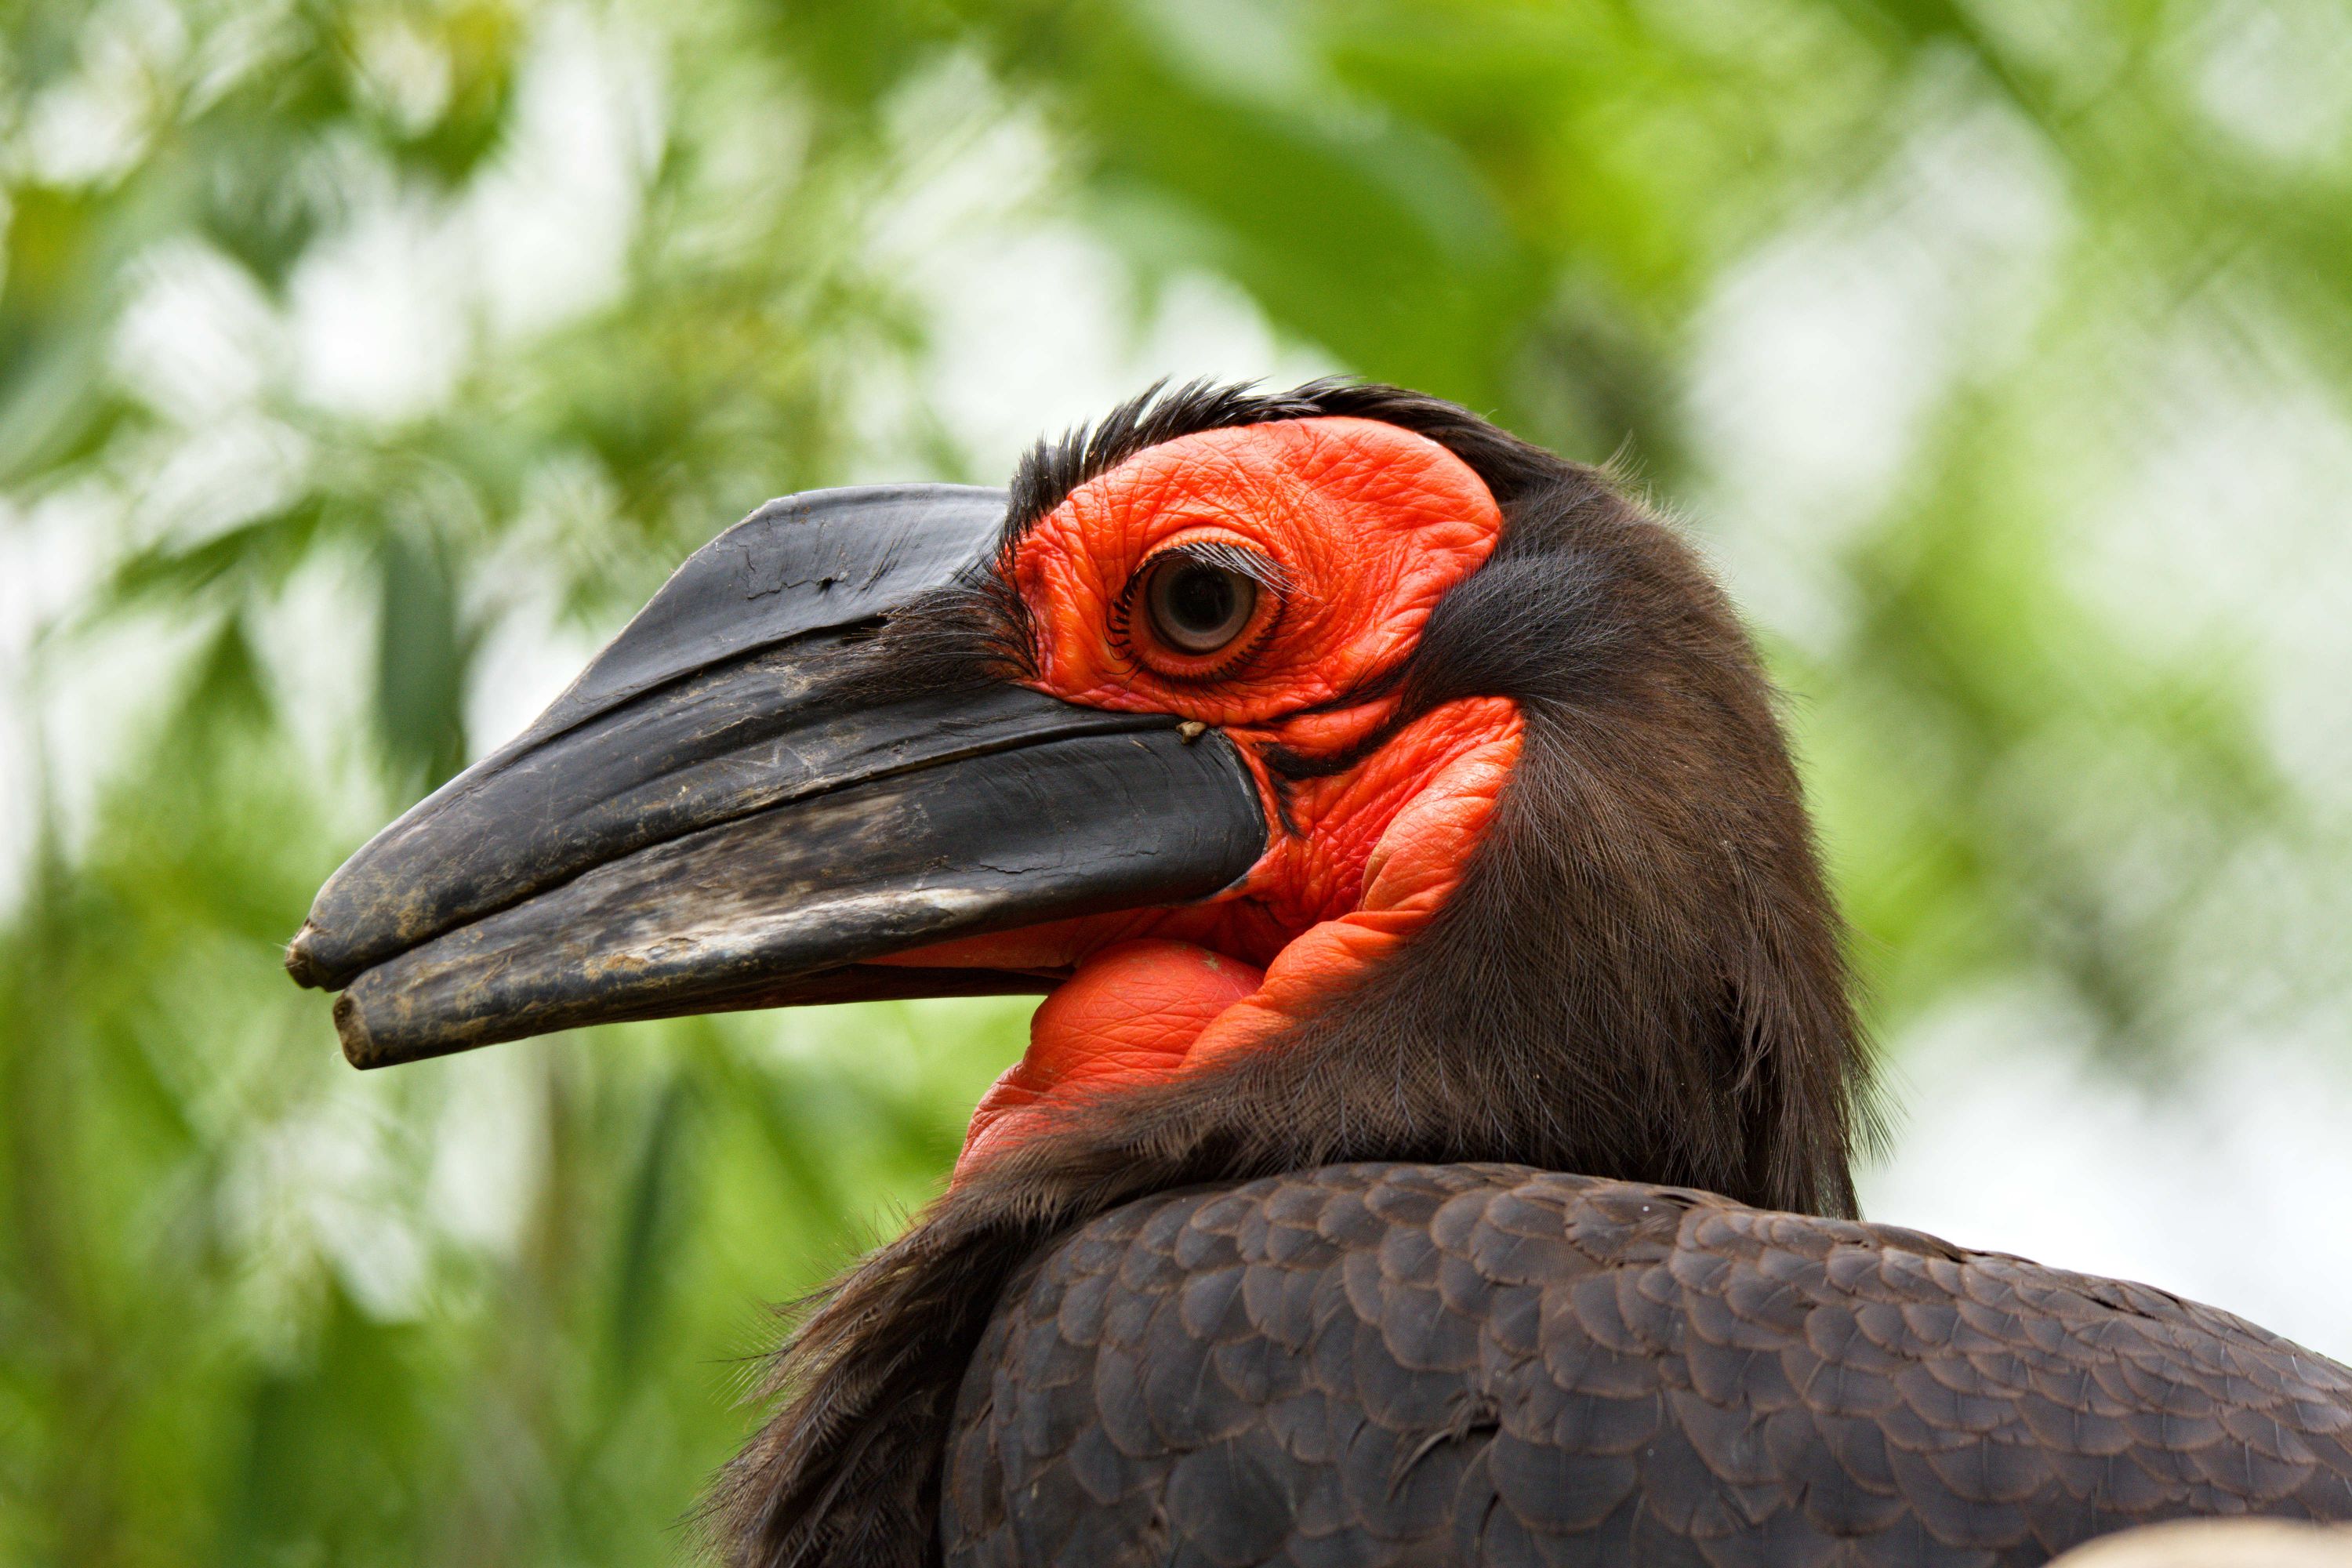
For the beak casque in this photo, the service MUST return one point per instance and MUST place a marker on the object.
(730, 809)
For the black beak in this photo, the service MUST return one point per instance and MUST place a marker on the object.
(740, 803)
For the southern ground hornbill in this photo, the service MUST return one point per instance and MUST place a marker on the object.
(1434, 1144)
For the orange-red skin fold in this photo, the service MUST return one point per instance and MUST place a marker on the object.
(1369, 525)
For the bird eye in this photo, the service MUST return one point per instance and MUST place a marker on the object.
(1196, 606)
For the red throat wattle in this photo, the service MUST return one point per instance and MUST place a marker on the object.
(1358, 528)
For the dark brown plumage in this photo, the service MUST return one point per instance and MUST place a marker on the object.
(1382, 1364)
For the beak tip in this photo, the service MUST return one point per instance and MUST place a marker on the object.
(302, 959)
(360, 1048)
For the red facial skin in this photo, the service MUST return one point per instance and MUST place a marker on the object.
(1369, 525)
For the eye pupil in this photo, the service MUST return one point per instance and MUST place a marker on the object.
(1201, 600)
(1196, 607)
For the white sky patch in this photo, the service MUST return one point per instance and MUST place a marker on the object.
(380, 324)
(389, 313)
(1038, 334)
(198, 336)
(2228, 505)
(331, 1186)
(223, 473)
(93, 123)
(1239, 44)
(1022, 337)
(2233, 1188)
(1815, 363)
(553, 219)
(2278, 78)
(526, 661)
(531, 652)
(316, 642)
(50, 555)
(67, 707)
(82, 133)
(403, 70)
(2225, 525)
(490, 1148)
(1033, 323)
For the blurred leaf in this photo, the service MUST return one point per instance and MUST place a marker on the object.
(655, 1220)
(423, 650)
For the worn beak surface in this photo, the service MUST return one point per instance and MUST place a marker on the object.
(739, 804)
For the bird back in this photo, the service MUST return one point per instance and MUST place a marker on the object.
(1388, 1364)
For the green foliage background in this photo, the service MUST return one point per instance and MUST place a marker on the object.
(363, 363)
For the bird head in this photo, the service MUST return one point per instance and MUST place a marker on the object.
(1354, 779)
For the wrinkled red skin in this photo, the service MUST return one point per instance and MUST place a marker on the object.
(1370, 524)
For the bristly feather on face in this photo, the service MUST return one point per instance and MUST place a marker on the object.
(1638, 975)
